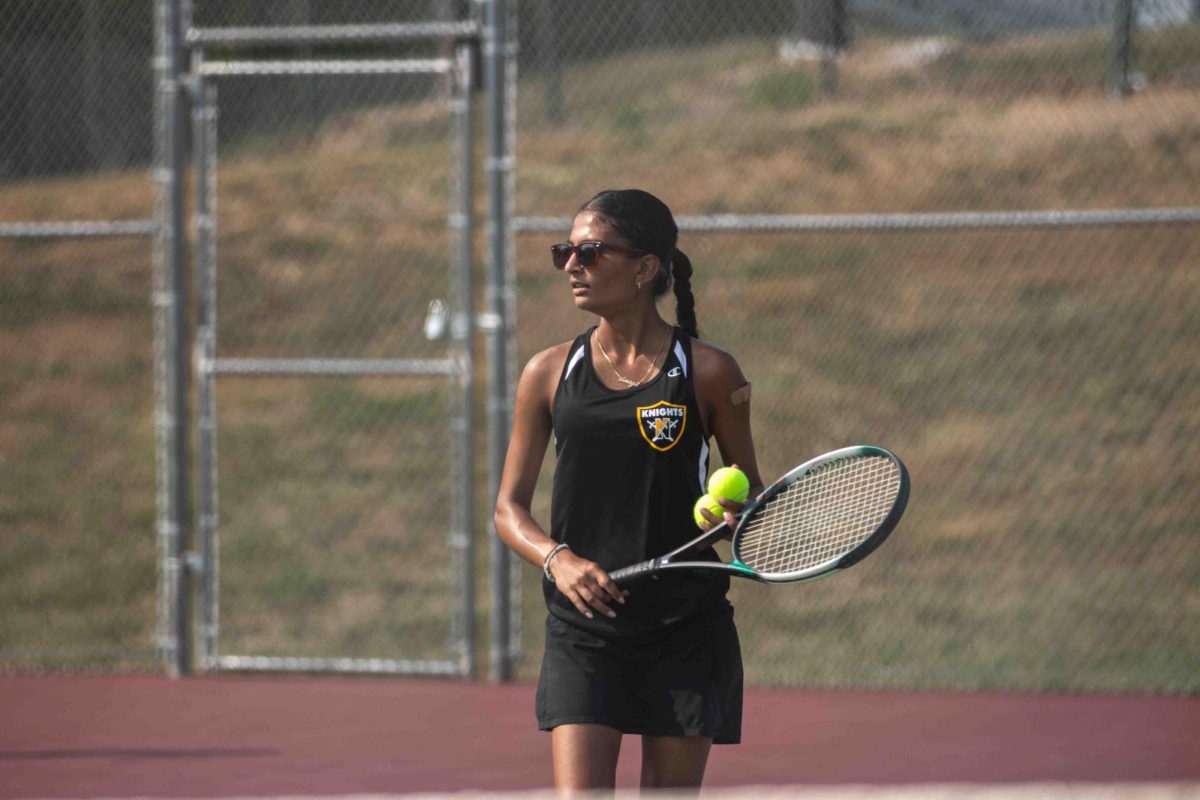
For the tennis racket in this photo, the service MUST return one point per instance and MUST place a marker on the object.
(823, 516)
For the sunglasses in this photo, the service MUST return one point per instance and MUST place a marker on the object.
(587, 253)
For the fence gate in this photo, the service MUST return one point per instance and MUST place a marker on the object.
(334, 370)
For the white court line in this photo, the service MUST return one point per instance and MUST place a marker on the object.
(939, 791)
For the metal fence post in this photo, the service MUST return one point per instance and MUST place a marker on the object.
(823, 23)
(1121, 49)
(463, 216)
(495, 43)
(171, 301)
(204, 148)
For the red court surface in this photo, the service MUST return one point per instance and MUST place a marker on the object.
(221, 736)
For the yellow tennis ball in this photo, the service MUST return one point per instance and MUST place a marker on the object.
(707, 501)
(729, 483)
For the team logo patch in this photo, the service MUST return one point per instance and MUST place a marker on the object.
(662, 424)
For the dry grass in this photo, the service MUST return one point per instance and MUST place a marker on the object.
(1042, 386)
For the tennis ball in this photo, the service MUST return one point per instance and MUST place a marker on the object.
(707, 501)
(729, 483)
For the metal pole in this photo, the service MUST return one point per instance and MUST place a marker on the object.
(204, 148)
(164, 499)
(921, 221)
(823, 24)
(495, 42)
(1121, 49)
(171, 301)
(464, 333)
(181, 354)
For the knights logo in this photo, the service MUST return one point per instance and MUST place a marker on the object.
(662, 424)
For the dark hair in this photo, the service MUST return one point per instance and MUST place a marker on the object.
(647, 224)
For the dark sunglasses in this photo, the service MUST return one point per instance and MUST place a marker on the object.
(587, 253)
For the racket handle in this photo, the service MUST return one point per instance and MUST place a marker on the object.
(627, 575)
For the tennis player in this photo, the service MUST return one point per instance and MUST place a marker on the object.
(631, 404)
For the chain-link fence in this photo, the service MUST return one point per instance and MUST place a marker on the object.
(966, 230)
(892, 211)
(77, 478)
(327, 238)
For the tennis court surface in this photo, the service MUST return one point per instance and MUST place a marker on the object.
(258, 736)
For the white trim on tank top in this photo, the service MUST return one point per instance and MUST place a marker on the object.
(681, 358)
(575, 359)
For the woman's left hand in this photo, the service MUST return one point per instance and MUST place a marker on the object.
(731, 507)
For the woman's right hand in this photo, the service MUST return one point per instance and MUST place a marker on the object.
(585, 584)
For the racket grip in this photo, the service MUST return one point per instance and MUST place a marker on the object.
(634, 572)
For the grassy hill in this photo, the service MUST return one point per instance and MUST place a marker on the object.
(1041, 385)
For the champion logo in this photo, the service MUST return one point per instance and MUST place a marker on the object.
(675, 372)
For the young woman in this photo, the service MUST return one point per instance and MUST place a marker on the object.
(631, 404)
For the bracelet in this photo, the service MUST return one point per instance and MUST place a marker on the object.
(549, 557)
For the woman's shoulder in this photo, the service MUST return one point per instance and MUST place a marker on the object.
(715, 366)
(545, 366)
(709, 357)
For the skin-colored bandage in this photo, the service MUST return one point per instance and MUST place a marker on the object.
(740, 396)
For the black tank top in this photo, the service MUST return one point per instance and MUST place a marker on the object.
(631, 463)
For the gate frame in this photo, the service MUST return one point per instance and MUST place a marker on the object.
(459, 366)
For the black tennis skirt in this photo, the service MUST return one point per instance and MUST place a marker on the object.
(683, 681)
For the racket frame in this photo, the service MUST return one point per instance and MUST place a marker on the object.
(746, 515)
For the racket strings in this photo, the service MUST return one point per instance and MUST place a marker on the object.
(822, 516)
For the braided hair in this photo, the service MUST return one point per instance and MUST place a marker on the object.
(647, 224)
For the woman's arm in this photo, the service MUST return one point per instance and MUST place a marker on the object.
(723, 395)
(580, 580)
(515, 524)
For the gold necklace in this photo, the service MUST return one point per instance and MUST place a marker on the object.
(617, 372)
